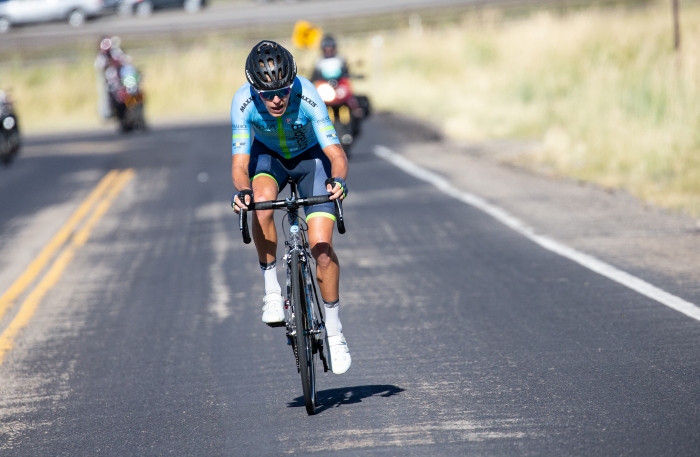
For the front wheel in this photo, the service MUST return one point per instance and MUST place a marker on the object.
(192, 6)
(304, 338)
(5, 24)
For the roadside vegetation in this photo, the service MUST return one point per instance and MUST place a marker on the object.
(600, 92)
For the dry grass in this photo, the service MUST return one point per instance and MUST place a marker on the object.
(196, 82)
(601, 90)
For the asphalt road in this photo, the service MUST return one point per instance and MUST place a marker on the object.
(467, 338)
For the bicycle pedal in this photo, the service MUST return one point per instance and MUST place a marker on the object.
(275, 324)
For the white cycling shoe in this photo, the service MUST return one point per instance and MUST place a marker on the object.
(273, 309)
(340, 354)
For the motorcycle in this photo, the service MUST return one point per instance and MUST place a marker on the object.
(10, 142)
(346, 109)
(127, 98)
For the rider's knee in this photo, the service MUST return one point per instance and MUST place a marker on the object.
(323, 254)
(265, 217)
(264, 193)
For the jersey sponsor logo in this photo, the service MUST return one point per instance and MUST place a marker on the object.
(240, 126)
(264, 126)
(300, 136)
(238, 145)
(288, 120)
(331, 135)
(324, 120)
(307, 100)
(246, 103)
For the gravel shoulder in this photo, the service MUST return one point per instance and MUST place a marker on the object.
(658, 245)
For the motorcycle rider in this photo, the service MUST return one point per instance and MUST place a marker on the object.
(331, 65)
(333, 69)
(108, 63)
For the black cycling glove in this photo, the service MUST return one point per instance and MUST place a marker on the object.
(339, 181)
(241, 196)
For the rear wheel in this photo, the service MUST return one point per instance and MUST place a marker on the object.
(76, 18)
(304, 339)
(126, 122)
(144, 9)
(140, 121)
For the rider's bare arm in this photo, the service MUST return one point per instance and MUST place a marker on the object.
(239, 174)
(339, 167)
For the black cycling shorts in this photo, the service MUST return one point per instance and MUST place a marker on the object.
(309, 170)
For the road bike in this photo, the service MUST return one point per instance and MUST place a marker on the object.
(303, 312)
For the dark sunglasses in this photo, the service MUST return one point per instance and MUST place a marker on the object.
(270, 94)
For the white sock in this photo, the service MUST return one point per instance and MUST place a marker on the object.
(269, 271)
(333, 325)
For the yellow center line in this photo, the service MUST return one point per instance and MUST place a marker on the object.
(37, 265)
(82, 235)
(31, 303)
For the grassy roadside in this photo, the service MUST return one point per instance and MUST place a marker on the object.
(600, 90)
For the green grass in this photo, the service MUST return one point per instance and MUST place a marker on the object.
(600, 90)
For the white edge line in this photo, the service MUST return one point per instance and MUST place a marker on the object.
(501, 215)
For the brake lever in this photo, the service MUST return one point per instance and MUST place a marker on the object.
(243, 225)
(339, 215)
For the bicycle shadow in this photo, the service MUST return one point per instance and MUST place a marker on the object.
(334, 398)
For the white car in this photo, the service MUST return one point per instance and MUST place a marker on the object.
(29, 11)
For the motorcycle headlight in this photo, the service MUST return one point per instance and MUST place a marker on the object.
(9, 122)
(129, 82)
(341, 92)
(326, 92)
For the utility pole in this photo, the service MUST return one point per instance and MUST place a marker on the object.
(676, 26)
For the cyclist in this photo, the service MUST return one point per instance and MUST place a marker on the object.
(280, 129)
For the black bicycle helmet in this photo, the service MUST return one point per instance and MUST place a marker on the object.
(270, 66)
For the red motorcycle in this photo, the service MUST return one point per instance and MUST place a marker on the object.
(128, 99)
(346, 110)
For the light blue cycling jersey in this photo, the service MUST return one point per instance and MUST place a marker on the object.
(303, 124)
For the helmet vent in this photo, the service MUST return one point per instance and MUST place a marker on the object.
(270, 66)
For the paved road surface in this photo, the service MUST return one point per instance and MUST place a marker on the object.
(466, 337)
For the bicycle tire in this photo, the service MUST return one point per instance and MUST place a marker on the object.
(303, 337)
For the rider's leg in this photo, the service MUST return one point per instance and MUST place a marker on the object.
(264, 230)
(265, 236)
(320, 220)
(328, 276)
(327, 268)
(321, 244)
